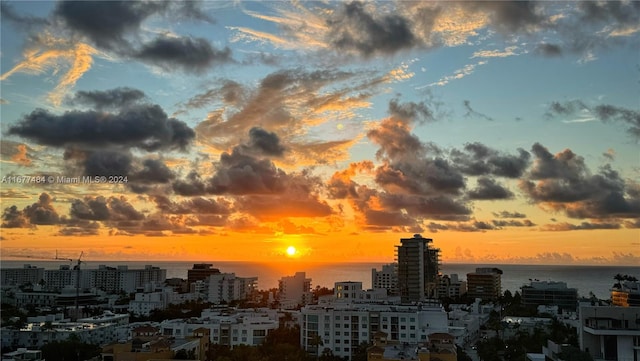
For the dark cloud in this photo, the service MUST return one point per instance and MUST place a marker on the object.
(197, 205)
(578, 227)
(242, 174)
(566, 108)
(12, 217)
(41, 212)
(549, 50)
(424, 177)
(473, 113)
(509, 17)
(264, 143)
(475, 226)
(191, 10)
(603, 112)
(611, 113)
(435, 227)
(411, 112)
(94, 209)
(111, 210)
(354, 29)
(395, 140)
(188, 54)
(107, 99)
(619, 12)
(512, 223)
(489, 189)
(143, 126)
(386, 219)
(107, 163)
(152, 171)
(107, 23)
(193, 185)
(563, 182)
(116, 26)
(439, 207)
(507, 214)
(478, 159)
(79, 229)
(294, 204)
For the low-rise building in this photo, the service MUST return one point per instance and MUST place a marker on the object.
(144, 303)
(23, 354)
(451, 286)
(35, 335)
(626, 294)
(514, 325)
(550, 293)
(230, 327)
(610, 333)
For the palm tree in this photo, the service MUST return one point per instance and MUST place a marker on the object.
(619, 277)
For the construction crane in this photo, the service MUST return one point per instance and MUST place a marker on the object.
(76, 268)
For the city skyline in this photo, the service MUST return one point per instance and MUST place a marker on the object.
(321, 132)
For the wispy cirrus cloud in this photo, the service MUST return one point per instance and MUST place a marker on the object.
(51, 54)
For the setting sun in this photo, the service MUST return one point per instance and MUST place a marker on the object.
(291, 251)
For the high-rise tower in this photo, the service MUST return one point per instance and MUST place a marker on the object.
(418, 268)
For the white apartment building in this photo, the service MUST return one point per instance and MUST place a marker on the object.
(226, 287)
(28, 274)
(351, 291)
(463, 325)
(610, 333)
(228, 326)
(294, 290)
(121, 278)
(345, 326)
(144, 303)
(386, 278)
(66, 276)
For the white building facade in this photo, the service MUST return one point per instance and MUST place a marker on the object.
(343, 327)
(226, 287)
(294, 290)
(610, 333)
(227, 327)
(386, 278)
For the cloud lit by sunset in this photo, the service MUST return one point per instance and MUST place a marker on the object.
(321, 132)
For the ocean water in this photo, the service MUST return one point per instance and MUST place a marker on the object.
(596, 279)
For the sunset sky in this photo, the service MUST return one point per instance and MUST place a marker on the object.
(322, 131)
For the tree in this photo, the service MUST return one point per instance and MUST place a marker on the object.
(619, 277)
(72, 349)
